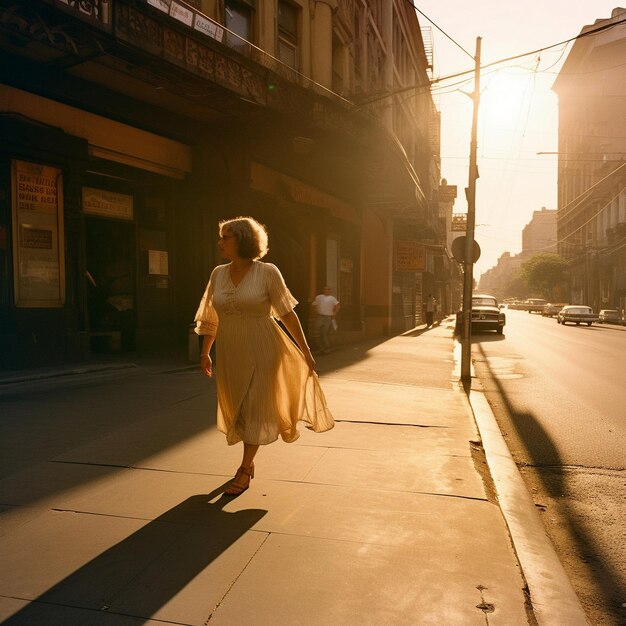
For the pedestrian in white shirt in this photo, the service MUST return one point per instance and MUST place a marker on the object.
(326, 307)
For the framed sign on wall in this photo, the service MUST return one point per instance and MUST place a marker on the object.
(38, 259)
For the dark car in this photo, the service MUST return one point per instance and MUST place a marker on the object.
(576, 314)
(486, 314)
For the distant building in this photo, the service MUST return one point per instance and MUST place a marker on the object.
(500, 279)
(539, 235)
(449, 288)
(591, 218)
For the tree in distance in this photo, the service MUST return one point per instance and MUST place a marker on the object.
(545, 274)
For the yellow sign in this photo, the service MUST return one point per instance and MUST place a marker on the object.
(410, 256)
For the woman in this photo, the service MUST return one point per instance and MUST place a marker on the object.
(265, 384)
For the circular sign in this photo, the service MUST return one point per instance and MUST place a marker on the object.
(458, 250)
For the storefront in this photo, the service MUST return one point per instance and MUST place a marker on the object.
(85, 233)
(314, 240)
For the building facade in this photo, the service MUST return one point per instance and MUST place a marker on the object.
(591, 218)
(129, 128)
(503, 280)
(539, 235)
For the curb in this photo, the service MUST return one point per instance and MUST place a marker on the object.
(552, 596)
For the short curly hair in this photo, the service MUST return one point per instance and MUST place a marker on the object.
(252, 240)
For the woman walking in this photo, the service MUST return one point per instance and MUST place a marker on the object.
(265, 384)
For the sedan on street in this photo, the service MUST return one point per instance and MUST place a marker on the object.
(609, 316)
(576, 314)
(486, 315)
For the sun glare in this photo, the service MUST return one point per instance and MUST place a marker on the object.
(503, 97)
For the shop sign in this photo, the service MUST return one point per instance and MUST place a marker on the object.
(181, 13)
(107, 204)
(162, 5)
(37, 207)
(410, 256)
(459, 222)
(208, 27)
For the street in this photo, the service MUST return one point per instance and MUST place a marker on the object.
(558, 395)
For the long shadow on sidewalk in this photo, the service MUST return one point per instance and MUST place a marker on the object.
(144, 572)
(543, 453)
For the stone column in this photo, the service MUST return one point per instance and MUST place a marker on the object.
(322, 42)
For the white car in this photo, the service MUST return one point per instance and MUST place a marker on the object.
(608, 316)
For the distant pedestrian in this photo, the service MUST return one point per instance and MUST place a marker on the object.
(326, 307)
(431, 304)
(265, 384)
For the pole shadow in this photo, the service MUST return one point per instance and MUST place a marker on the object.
(544, 454)
(416, 332)
(139, 575)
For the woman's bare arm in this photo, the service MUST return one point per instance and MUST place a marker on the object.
(292, 323)
(206, 363)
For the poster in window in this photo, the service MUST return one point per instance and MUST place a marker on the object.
(37, 205)
(410, 256)
(108, 204)
(158, 262)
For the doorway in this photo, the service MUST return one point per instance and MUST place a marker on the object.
(111, 287)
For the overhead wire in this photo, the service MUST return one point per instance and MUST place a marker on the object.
(593, 217)
(587, 33)
(456, 43)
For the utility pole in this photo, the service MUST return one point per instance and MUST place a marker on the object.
(468, 266)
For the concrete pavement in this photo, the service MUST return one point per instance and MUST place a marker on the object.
(112, 511)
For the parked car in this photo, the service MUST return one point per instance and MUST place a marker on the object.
(551, 309)
(577, 314)
(607, 316)
(535, 305)
(517, 305)
(486, 314)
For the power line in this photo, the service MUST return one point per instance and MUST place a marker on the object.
(570, 206)
(593, 217)
(593, 31)
(456, 43)
(588, 33)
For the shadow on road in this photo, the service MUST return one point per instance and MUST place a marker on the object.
(142, 573)
(544, 454)
(481, 336)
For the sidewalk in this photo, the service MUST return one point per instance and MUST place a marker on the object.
(385, 519)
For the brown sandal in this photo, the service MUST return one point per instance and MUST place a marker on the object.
(235, 490)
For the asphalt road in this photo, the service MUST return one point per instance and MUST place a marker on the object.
(559, 395)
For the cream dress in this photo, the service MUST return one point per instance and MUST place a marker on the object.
(263, 382)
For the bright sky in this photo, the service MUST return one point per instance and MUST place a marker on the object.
(518, 111)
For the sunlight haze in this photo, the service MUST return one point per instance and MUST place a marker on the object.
(518, 111)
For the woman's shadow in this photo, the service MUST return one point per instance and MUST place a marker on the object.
(142, 573)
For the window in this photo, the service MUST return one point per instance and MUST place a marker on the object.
(238, 16)
(287, 47)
